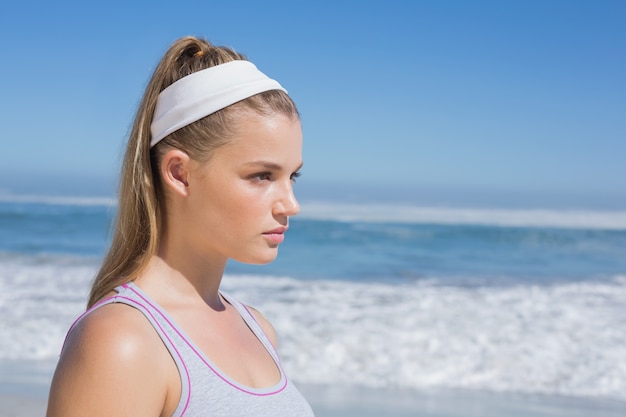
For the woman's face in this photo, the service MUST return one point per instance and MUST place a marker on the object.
(241, 199)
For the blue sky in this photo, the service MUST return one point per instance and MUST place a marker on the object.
(436, 102)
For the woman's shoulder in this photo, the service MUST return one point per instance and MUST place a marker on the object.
(113, 329)
(112, 360)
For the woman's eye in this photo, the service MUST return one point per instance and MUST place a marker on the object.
(295, 175)
(261, 176)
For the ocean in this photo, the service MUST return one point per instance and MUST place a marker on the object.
(401, 297)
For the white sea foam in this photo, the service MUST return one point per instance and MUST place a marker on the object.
(566, 338)
(39, 299)
(609, 220)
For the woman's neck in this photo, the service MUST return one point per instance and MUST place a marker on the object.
(183, 277)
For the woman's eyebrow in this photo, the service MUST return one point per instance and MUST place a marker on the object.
(269, 165)
(264, 164)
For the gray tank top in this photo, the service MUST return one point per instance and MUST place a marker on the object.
(206, 391)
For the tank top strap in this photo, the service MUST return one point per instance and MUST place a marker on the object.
(253, 324)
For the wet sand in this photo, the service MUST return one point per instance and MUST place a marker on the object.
(368, 402)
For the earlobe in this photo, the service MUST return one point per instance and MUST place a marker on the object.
(175, 171)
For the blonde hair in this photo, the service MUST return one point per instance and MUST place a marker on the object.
(141, 203)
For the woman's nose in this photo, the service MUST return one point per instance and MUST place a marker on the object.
(287, 204)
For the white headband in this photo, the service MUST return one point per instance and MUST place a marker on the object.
(204, 92)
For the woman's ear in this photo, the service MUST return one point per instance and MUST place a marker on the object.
(175, 171)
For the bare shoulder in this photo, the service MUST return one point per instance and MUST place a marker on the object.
(265, 325)
(112, 364)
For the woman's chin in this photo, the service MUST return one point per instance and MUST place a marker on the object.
(259, 259)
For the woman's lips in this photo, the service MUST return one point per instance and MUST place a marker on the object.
(276, 235)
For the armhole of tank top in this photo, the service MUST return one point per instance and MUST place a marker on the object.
(122, 298)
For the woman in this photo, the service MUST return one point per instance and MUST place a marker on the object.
(208, 175)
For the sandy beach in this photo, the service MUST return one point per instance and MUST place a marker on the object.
(21, 406)
(368, 402)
